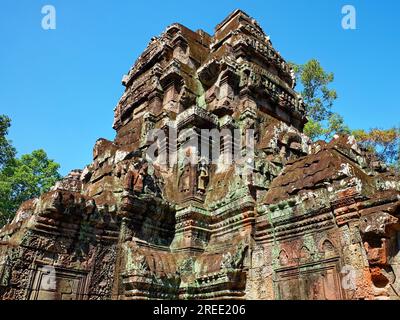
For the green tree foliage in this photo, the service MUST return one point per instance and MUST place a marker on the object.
(385, 143)
(326, 130)
(314, 84)
(323, 123)
(22, 178)
(7, 151)
(315, 91)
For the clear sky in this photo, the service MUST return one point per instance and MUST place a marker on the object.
(60, 86)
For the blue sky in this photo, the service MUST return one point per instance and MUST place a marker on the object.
(60, 86)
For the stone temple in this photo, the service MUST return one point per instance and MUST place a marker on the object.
(308, 221)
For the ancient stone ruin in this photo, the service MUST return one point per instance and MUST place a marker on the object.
(308, 221)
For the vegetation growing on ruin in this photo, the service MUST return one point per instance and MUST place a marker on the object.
(21, 178)
(323, 123)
